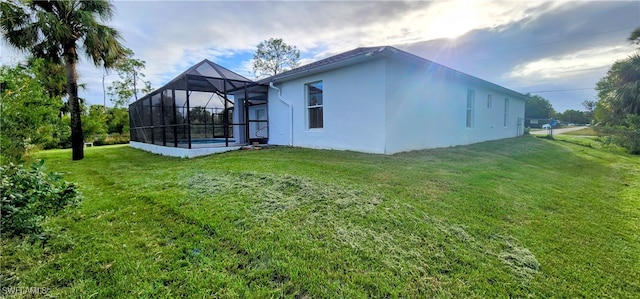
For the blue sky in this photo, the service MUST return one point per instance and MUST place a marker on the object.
(556, 49)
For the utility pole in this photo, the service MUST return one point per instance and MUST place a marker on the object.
(104, 93)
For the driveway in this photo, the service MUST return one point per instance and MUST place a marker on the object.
(556, 131)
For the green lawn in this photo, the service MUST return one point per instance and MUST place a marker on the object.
(525, 217)
(589, 131)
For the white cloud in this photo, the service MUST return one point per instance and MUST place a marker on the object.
(246, 69)
(173, 35)
(9, 55)
(450, 19)
(329, 26)
(570, 65)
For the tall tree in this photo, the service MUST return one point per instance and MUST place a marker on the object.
(199, 115)
(634, 37)
(619, 91)
(274, 56)
(117, 120)
(29, 115)
(57, 30)
(574, 116)
(538, 107)
(51, 75)
(590, 105)
(94, 121)
(131, 81)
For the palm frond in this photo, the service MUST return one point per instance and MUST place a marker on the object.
(101, 8)
(102, 45)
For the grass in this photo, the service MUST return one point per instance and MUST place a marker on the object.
(588, 131)
(525, 217)
(596, 142)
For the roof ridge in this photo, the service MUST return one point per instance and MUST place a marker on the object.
(327, 61)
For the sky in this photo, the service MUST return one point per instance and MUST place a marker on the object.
(554, 49)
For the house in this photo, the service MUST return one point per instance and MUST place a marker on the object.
(376, 100)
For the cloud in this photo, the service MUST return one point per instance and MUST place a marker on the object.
(571, 64)
(172, 35)
(511, 43)
(550, 48)
(326, 26)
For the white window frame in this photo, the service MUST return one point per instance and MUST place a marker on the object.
(316, 106)
(471, 99)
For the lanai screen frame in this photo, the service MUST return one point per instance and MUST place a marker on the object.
(144, 129)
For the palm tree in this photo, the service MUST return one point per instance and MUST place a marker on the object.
(619, 90)
(56, 30)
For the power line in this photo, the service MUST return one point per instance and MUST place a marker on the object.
(560, 90)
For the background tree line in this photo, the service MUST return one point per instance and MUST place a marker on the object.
(36, 116)
(53, 33)
(617, 110)
(537, 107)
(618, 102)
(57, 32)
(618, 97)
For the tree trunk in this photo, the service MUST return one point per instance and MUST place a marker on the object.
(135, 89)
(77, 140)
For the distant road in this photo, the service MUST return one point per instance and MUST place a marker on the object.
(556, 131)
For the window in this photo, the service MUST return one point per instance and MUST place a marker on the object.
(314, 105)
(471, 97)
(489, 101)
(506, 111)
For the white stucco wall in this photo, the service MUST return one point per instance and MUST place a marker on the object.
(238, 117)
(392, 105)
(426, 108)
(353, 108)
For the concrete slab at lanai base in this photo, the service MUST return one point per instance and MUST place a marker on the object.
(181, 152)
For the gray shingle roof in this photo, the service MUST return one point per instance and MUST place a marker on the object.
(357, 55)
(323, 62)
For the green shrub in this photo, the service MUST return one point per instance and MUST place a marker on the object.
(116, 138)
(29, 195)
(109, 139)
(620, 136)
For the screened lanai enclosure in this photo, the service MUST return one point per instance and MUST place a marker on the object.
(206, 106)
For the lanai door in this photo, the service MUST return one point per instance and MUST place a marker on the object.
(258, 124)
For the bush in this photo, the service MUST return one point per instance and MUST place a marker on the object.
(29, 195)
(621, 136)
(29, 114)
(109, 139)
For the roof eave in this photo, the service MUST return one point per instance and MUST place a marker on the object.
(459, 73)
(335, 65)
